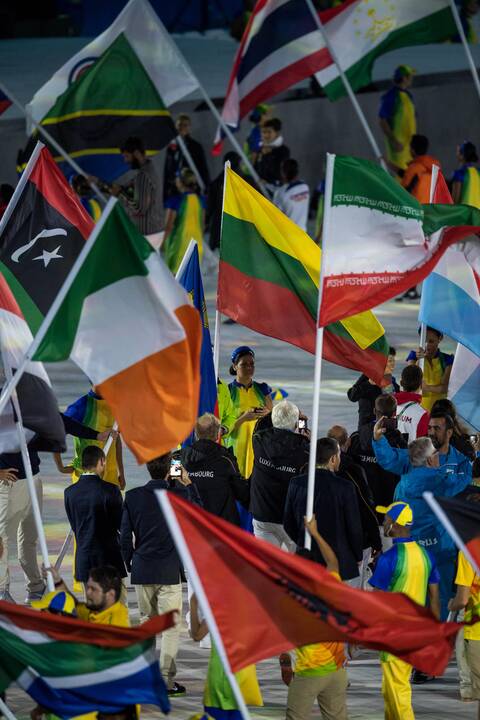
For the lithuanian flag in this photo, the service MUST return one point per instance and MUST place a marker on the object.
(268, 281)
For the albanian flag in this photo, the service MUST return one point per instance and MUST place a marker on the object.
(266, 601)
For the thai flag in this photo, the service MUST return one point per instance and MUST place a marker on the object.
(190, 278)
(464, 386)
(280, 47)
(451, 293)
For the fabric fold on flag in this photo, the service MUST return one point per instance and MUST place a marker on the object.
(390, 241)
(268, 281)
(73, 667)
(266, 601)
(464, 517)
(113, 88)
(130, 327)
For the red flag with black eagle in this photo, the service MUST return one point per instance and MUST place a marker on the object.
(266, 601)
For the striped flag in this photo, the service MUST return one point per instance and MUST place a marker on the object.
(464, 385)
(5, 102)
(268, 281)
(281, 46)
(71, 667)
(130, 327)
(451, 293)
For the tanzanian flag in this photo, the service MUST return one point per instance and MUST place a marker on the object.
(112, 100)
(71, 667)
(268, 281)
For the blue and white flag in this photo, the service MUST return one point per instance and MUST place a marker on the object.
(464, 386)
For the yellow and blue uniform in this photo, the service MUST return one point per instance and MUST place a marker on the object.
(407, 568)
(244, 399)
(433, 371)
(469, 178)
(398, 110)
(467, 576)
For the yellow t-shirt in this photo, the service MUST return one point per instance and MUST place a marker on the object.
(320, 658)
(117, 614)
(466, 576)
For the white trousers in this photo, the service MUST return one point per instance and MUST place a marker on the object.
(274, 533)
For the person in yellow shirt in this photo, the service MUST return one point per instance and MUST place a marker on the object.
(437, 368)
(468, 598)
(397, 119)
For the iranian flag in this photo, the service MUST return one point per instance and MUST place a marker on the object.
(366, 29)
(378, 240)
(131, 328)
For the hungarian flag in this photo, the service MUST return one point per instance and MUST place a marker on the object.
(364, 31)
(268, 281)
(461, 519)
(131, 328)
(266, 601)
(41, 234)
(118, 85)
(379, 240)
(72, 667)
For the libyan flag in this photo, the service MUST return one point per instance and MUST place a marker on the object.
(266, 601)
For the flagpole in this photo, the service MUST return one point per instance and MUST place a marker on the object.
(348, 87)
(312, 458)
(218, 321)
(20, 185)
(47, 321)
(441, 515)
(50, 139)
(185, 259)
(423, 327)
(190, 162)
(187, 560)
(6, 710)
(69, 536)
(463, 38)
(37, 516)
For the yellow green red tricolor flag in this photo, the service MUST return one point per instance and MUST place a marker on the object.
(268, 281)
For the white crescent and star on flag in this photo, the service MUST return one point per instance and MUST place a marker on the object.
(47, 255)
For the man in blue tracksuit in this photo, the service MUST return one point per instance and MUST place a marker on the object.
(433, 466)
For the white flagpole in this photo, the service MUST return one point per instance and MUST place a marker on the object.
(42, 331)
(468, 53)
(423, 327)
(187, 560)
(6, 710)
(190, 162)
(348, 87)
(312, 458)
(218, 320)
(20, 185)
(185, 259)
(41, 129)
(441, 515)
(37, 516)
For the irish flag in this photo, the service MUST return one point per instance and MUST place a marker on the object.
(378, 240)
(131, 328)
(268, 281)
(366, 29)
(71, 667)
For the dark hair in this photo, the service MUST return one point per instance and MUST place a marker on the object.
(419, 144)
(469, 152)
(91, 456)
(476, 468)
(188, 179)
(444, 406)
(159, 467)
(128, 713)
(132, 144)
(411, 378)
(233, 158)
(290, 169)
(326, 449)
(449, 422)
(231, 369)
(392, 351)
(431, 329)
(274, 123)
(108, 578)
(6, 192)
(385, 405)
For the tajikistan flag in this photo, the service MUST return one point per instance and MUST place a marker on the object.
(131, 328)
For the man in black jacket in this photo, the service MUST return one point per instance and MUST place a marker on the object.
(355, 474)
(94, 511)
(152, 559)
(365, 391)
(214, 471)
(280, 453)
(175, 160)
(335, 507)
(382, 482)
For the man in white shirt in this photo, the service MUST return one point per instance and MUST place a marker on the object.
(293, 197)
(412, 418)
